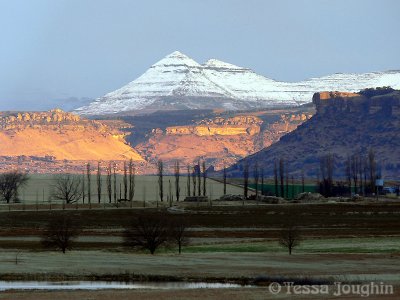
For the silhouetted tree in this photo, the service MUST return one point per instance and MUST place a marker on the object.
(354, 170)
(188, 181)
(276, 178)
(125, 180)
(203, 166)
(262, 181)
(131, 168)
(148, 232)
(290, 237)
(99, 182)
(178, 233)
(292, 183)
(10, 182)
(198, 171)
(327, 167)
(287, 183)
(177, 177)
(67, 187)
(348, 172)
(282, 176)
(372, 169)
(160, 167)
(194, 179)
(109, 182)
(256, 176)
(89, 177)
(302, 181)
(115, 182)
(60, 233)
(246, 179)
(224, 179)
(83, 187)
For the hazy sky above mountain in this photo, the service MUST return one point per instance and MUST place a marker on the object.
(80, 48)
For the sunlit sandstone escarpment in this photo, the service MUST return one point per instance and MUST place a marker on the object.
(248, 125)
(61, 135)
(219, 140)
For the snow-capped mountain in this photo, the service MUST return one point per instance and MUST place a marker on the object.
(179, 82)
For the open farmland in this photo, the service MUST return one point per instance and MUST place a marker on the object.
(39, 188)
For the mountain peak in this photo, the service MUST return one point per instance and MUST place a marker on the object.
(215, 63)
(177, 58)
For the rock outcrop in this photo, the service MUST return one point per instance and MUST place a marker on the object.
(238, 125)
(61, 136)
(345, 124)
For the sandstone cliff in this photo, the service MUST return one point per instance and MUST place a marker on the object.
(62, 136)
(220, 139)
(345, 123)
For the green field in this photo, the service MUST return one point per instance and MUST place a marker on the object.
(39, 188)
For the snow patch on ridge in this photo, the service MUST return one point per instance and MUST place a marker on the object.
(181, 82)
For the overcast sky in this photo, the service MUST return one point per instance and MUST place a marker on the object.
(54, 49)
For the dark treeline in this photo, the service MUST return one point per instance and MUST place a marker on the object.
(361, 173)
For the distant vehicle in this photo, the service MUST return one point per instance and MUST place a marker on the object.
(389, 190)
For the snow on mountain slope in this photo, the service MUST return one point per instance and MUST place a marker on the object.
(179, 82)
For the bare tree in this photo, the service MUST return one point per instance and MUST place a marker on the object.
(262, 182)
(292, 184)
(290, 238)
(109, 182)
(354, 171)
(224, 179)
(83, 187)
(276, 179)
(178, 233)
(89, 177)
(256, 175)
(115, 182)
(147, 232)
(177, 177)
(199, 178)
(60, 233)
(194, 177)
(327, 167)
(160, 167)
(302, 181)
(361, 174)
(188, 181)
(170, 196)
(203, 169)
(10, 182)
(99, 183)
(372, 169)
(131, 168)
(282, 176)
(287, 183)
(246, 179)
(67, 187)
(348, 172)
(125, 180)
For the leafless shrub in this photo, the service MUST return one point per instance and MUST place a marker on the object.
(147, 232)
(10, 182)
(67, 187)
(60, 233)
(290, 237)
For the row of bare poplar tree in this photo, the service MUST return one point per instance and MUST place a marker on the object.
(196, 180)
(361, 173)
(71, 188)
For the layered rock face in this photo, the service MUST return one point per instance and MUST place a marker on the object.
(345, 124)
(247, 125)
(220, 140)
(61, 136)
